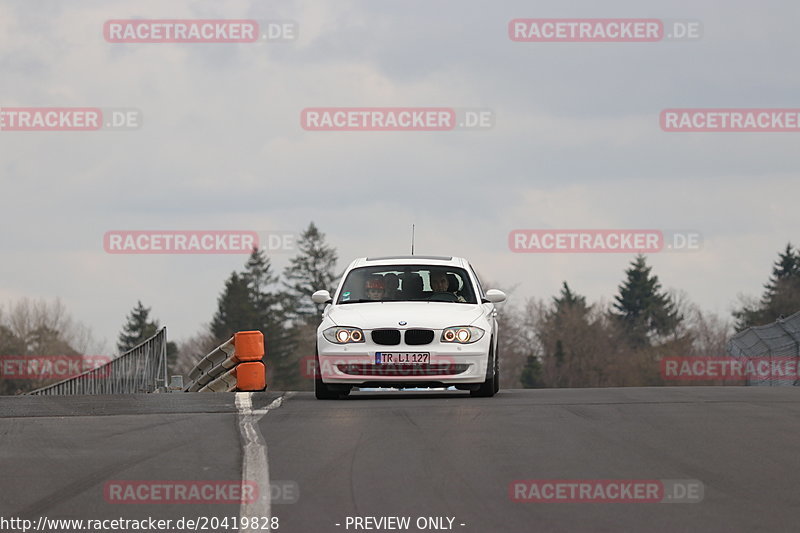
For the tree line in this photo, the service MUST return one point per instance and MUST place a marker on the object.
(569, 343)
(38, 328)
(563, 341)
(280, 306)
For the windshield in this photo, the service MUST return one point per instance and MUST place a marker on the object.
(401, 283)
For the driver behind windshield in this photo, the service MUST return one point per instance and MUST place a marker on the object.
(439, 283)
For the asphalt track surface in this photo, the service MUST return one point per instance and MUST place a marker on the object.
(419, 455)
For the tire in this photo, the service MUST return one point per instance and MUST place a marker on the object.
(492, 383)
(322, 391)
(496, 380)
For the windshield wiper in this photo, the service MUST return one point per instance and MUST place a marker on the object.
(359, 301)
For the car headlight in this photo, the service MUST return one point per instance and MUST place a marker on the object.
(343, 335)
(462, 334)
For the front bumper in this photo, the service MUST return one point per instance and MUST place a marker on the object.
(450, 363)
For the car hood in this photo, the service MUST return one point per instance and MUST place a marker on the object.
(430, 315)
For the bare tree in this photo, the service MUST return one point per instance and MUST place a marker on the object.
(517, 341)
(31, 319)
(38, 328)
(192, 350)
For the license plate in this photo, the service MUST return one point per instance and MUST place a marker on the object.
(402, 358)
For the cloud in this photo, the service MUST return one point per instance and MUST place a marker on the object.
(576, 143)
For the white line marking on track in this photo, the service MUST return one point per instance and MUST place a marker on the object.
(255, 465)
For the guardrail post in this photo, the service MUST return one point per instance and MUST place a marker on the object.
(251, 376)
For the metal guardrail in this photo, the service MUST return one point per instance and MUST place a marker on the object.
(233, 365)
(141, 369)
(779, 341)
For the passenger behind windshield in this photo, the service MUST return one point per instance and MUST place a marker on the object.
(407, 283)
(374, 288)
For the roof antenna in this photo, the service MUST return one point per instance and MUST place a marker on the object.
(412, 239)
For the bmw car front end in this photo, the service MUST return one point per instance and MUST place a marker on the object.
(404, 322)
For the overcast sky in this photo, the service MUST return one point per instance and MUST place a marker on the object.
(576, 144)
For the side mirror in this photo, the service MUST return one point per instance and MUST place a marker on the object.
(495, 296)
(321, 297)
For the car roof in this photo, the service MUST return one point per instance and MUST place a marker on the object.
(433, 260)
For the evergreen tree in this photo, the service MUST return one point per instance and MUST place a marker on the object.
(273, 307)
(567, 304)
(139, 328)
(531, 377)
(569, 299)
(311, 270)
(259, 277)
(643, 309)
(236, 310)
(781, 293)
(558, 355)
(564, 324)
(786, 267)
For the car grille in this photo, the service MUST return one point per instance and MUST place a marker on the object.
(415, 337)
(403, 370)
(386, 337)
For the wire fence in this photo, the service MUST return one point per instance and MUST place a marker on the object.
(778, 342)
(141, 369)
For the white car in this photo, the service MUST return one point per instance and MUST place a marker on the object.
(408, 321)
